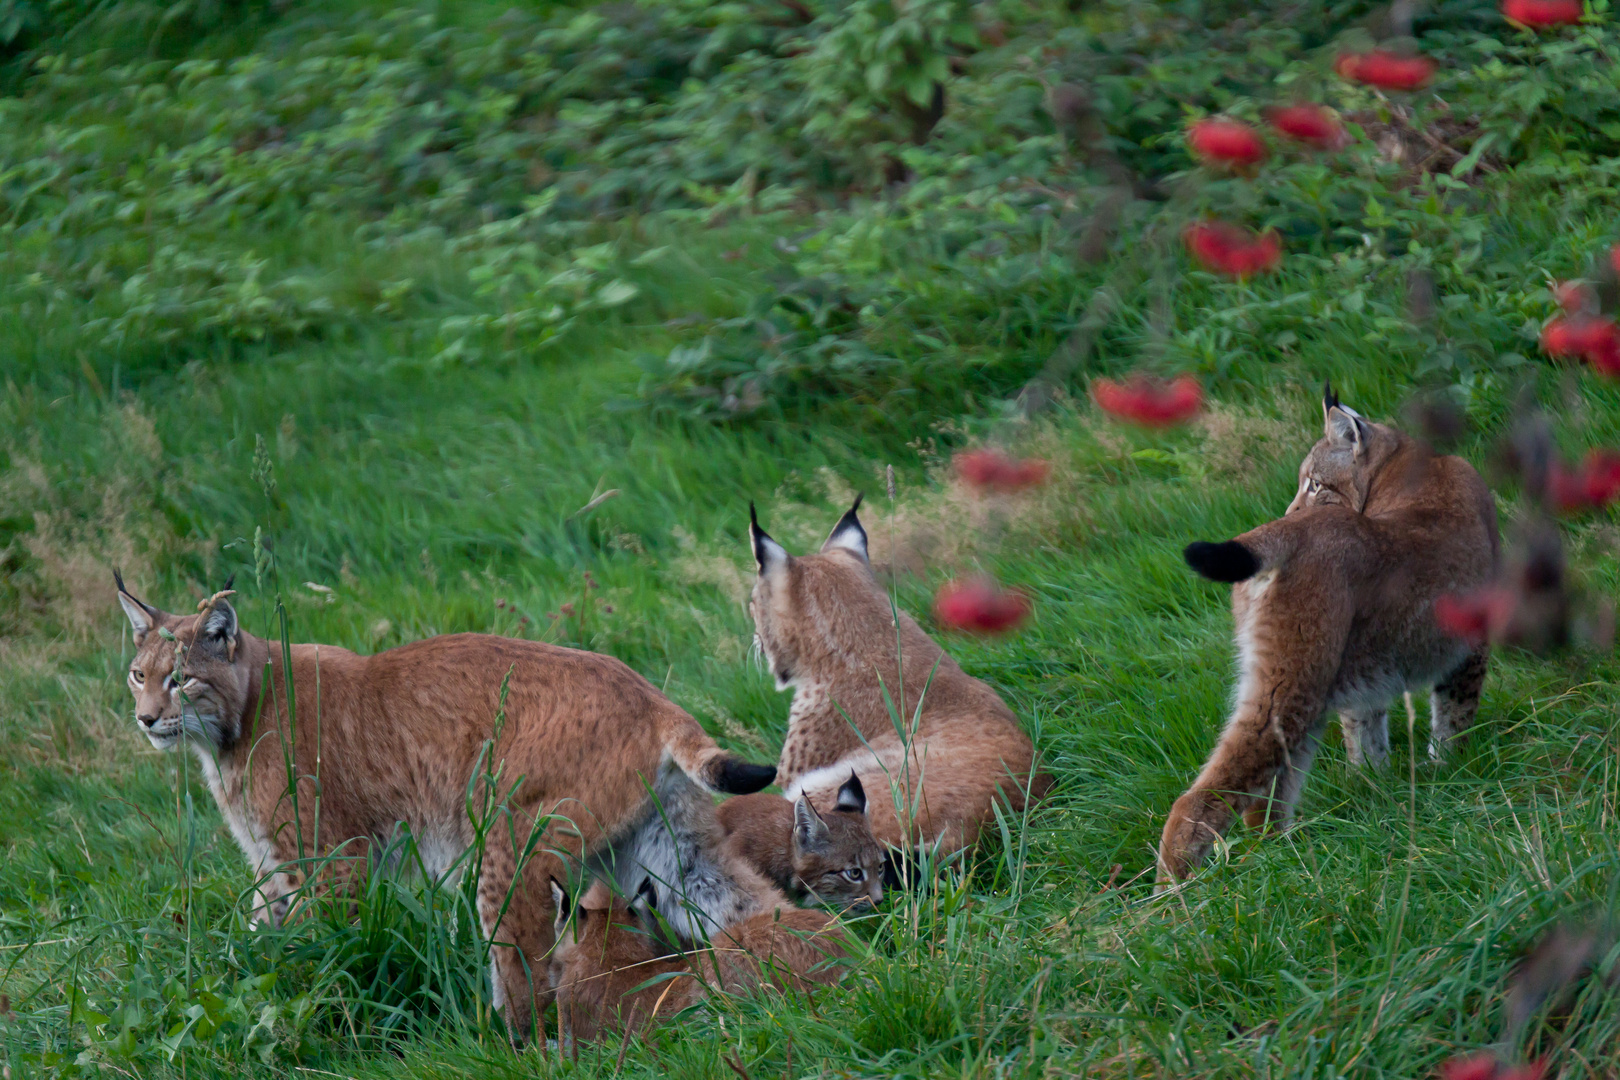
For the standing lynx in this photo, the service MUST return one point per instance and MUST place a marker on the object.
(1333, 605)
(828, 631)
(397, 737)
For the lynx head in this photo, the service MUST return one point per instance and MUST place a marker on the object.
(1339, 469)
(835, 856)
(596, 931)
(808, 607)
(189, 676)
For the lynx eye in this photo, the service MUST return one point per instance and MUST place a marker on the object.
(855, 873)
(138, 675)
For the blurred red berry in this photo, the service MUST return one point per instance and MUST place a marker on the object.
(978, 606)
(1475, 617)
(1231, 249)
(1573, 296)
(995, 471)
(1476, 1067)
(1540, 13)
(1219, 141)
(1309, 124)
(1148, 401)
(1593, 486)
(1385, 70)
(1593, 338)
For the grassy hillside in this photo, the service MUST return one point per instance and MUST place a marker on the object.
(372, 305)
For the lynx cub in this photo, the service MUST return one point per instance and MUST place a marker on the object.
(830, 858)
(827, 630)
(607, 949)
(1334, 609)
(399, 738)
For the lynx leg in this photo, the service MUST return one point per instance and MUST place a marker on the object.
(522, 937)
(1273, 811)
(1455, 701)
(1366, 736)
(1266, 749)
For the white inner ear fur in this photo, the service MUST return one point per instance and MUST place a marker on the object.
(849, 537)
(138, 617)
(770, 555)
(1344, 426)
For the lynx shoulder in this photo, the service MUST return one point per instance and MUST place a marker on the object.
(1333, 610)
(829, 633)
(400, 736)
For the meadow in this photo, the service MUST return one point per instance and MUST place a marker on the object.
(433, 318)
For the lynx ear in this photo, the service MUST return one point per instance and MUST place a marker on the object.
(142, 617)
(852, 796)
(1345, 428)
(647, 895)
(768, 554)
(809, 829)
(848, 534)
(217, 634)
(559, 901)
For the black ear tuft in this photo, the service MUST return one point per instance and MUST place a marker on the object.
(118, 579)
(768, 554)
(230, 583)
(1330, 400)
(734, 776)
(852, 796)
(1229, 561)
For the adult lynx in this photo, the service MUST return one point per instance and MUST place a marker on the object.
(397, 737)
(828, 631)
(1333, 605)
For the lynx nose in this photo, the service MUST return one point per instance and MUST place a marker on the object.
(146, 721)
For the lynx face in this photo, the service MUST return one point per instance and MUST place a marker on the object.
(835, 855)
(1339, 469)
(183, 678)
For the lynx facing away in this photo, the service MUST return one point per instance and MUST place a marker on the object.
(397, 737)
(830, 858)
(609, 974)
(1334, 610)
(828, 631)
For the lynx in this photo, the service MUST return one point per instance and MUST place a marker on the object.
(1333, 608)
(827, 630)
(830, 858)
(610, 973)
(397, 737)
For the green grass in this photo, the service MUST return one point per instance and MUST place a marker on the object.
(436, 495)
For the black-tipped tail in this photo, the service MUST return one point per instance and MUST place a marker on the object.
(734, 776)
(1229, 561)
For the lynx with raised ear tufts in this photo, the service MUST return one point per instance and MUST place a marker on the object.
(400, 736)
(828, 631)
(1333, 609)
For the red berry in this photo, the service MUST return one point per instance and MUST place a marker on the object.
(1233, 250)
(1385, 70)
(1540, 13)
(978, 606)
(1218, 141)
(1150, 402)
(1309, 124)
